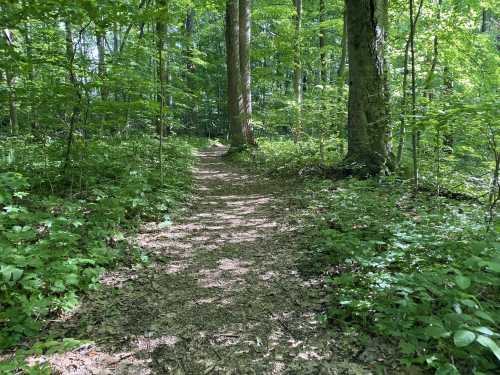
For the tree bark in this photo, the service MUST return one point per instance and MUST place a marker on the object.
(101, 62)
(160, 69)
(192, 113)
(77, 97)
(234, 100)
(322, 42)
(11, 85)
(402, 127)
(31, 78)
(298, 87)
(367, 111)
(415, 133)
(245, 35)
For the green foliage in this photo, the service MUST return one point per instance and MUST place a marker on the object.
(286, 158)
(18, 363)
(59, 228)
(421, 271)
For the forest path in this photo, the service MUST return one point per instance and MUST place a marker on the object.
(222, 294)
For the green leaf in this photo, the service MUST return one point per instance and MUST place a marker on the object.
(485, 316)
(493, 266)
(58, 286)
(407, 347)
(11, 274)
(436, 332)
(490, 344)
(462, 282)
(463, 338)
(485, 331)
(447, 369)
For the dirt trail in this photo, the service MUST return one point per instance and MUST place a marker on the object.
(222, 294)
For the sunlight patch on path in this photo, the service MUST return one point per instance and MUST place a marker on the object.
(222, 294)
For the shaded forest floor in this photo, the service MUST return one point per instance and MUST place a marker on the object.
(220, 294)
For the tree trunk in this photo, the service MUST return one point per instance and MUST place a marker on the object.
(415, 133)
(322, 42)
(297, 70)
(234, 99)
(11, 85)
(367, 112)
(192, 113)
(435, 55)
(343, 54)
(402, 127)
(77, 97)
(31, 79)
(101, 63)
(484, 20)
(160, 70)
(245, 34)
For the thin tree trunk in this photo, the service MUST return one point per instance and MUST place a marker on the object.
(77, 97)
(343, 54)
(415, 132)
(160, 69)
(11, 85)
(245, 34)
(404, 97)
(494, 193)
(101, 63)
(192, 115)
(484, 20)
(322, 42)
(298, 88)
(435, 55)
(31, 79)
(234, 99)
(116, 52)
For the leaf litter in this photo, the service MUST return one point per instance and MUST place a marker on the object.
(221, 295)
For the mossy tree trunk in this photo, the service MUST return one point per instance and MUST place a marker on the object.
(368, 125)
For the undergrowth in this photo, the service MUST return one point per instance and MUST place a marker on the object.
(421, 272)
(286, 158)
(62, 224)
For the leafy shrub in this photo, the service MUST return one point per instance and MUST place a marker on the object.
(422, 272)
(59, 229)
(285, 157)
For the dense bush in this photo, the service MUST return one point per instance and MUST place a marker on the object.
(286, 158)
(60, 226)
(422, 271)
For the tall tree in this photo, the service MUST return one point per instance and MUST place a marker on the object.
(245, 34)
(234, 99)
(73, 83)
(322, 41)
(404, 96)
(11, 83)
(101, 62)
(161, 31)
(415, 136)
(298, 87)
(31, 79)
(367, 110)
(191, 118)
